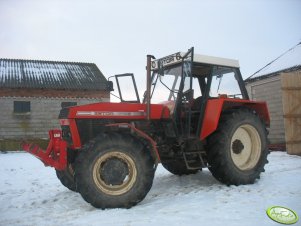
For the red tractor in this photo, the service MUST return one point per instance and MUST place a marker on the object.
(108, 152)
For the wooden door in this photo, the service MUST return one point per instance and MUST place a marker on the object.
(291, 98)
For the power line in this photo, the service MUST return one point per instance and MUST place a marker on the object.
(274, 60)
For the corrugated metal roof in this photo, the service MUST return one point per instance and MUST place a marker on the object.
(289, 61)
(51, 75)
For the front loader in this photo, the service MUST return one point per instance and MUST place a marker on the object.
(108, 152)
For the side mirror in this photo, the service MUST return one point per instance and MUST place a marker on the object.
(110, 86)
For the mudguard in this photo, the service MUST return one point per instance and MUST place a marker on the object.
(215, 107)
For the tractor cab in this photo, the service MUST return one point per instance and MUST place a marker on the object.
(194, 75)
(184, 82)
(187, 84)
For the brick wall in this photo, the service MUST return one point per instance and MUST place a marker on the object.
(269, 90)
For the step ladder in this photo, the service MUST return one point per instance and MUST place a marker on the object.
(197, 162)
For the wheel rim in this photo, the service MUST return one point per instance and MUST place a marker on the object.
(114, 173)
(245, 147)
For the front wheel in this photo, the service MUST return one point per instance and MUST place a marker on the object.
(66, 177)
(237, 151)
(114, 171)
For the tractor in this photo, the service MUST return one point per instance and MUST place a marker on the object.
(109, 152)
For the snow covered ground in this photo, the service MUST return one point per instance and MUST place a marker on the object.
(30, 194)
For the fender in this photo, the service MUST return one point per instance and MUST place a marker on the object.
(215, 107)
(153, 143)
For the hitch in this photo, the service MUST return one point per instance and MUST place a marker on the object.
(56, 153)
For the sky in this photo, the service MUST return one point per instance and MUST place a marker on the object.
(117, 35)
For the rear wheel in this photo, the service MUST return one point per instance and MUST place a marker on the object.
(67, 177)
(114, 171)
(237, 151)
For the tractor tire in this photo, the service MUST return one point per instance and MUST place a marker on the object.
(114, 171)
(237, 151)
(67, 177)
(178, 168)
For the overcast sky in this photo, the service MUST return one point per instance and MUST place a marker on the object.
(117, 35)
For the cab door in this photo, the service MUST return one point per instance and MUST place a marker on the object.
(182, 114)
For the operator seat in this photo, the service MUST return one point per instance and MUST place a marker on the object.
(196, 105)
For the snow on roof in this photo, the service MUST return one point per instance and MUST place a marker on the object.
(288, 61)
(51, 74)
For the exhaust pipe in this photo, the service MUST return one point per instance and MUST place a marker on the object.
(148, 85)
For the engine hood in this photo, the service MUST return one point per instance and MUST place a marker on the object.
(118, 111)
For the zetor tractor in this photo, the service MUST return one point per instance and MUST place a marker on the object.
(108, 152)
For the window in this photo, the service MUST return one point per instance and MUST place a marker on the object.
(224, 82)
(68, 104)
(21, 107)
(127, 89)
(166, 86)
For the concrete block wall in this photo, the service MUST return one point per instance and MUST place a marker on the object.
(34, 125)
(269, 90)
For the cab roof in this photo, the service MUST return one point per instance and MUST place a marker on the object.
(197, 58)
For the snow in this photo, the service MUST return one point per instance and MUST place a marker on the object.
(30, 194)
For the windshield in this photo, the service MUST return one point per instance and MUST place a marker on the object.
(171, 77)
(165, 84)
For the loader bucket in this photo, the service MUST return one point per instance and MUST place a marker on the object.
(56, 153)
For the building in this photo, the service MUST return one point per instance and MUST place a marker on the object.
(279, 83)
(32, 93)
